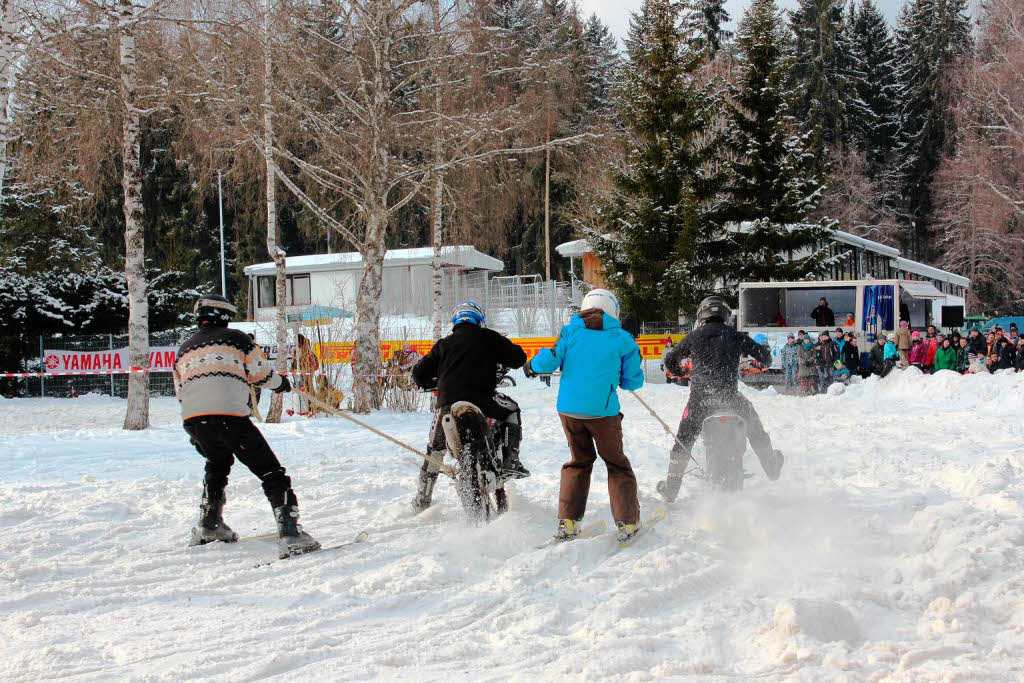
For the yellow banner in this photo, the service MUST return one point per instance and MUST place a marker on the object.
(651, 347)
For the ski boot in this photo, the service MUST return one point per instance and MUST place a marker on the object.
(568, 530)
(669, 488)
(425, 490)
(773, 466)
(211, 522)
(627, 532)
(511, 464)
(291, 539)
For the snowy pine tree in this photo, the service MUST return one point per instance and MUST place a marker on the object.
(872, 101)
(819, 66)
(710, 19)
(602, 65)
(773, 189)
(663, 234)
(933, 36)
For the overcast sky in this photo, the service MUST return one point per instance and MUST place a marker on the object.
(615, 13)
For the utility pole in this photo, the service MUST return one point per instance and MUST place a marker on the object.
(220, 205)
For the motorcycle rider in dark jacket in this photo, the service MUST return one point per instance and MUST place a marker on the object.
(464, 367)
(716, 349)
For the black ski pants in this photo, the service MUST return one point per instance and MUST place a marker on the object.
(222, 438)
(698, 408)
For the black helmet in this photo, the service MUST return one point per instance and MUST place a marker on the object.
(214, 309)
(712, 308)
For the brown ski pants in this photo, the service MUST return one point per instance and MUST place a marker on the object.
(588, 439)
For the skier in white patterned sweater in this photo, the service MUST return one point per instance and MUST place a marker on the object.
(212, 375)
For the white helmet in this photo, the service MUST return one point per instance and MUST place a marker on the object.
(603, 299)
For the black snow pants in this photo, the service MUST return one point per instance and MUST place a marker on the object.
(222, 438)
(698, 408)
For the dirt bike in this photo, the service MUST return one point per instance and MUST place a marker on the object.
(472, 440)
(725, 440)
(480, 483)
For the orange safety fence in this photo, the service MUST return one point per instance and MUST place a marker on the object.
(651, 347)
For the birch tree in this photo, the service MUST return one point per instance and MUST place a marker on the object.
(93, 46)
(137, 414)
(9, 30)
(366, 160)
(273, 234)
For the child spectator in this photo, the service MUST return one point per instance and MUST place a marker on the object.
(1007, 354)
(851, 354)
(790, 358)
(877, 354)
(963, 356)
(807, 375)
(932, 344)
(945, 356)
(992, 362)
(892, 355)
(903, 343)
(826, 353)
(918, 352)
(976, 343)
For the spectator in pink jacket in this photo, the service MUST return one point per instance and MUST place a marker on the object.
(918, 351)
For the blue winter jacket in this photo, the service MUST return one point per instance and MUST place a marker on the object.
(596, 355)
(890, 351)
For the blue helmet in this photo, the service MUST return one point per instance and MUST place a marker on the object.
(468, 312)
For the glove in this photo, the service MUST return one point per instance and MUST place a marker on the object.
(528, 371)
(285, 385)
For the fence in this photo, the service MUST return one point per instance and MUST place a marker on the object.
(160, 381)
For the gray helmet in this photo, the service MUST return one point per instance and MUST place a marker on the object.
(713, 307)
(214, 309)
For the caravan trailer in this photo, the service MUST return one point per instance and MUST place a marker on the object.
(768, 311)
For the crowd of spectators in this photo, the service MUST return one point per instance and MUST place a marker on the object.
(810, 365)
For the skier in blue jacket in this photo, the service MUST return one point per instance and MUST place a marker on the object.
(596, 357)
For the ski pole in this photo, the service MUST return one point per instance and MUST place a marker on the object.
(668, 430)
(326, 407)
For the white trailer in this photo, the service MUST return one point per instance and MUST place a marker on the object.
(769, 311)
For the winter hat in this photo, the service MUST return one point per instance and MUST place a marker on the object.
(904, 323)
(892, 336)
(790, 336)
(915, 334)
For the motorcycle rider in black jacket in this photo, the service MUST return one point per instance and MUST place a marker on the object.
(716, 349)
(464, 367)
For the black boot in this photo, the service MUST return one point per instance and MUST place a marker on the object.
(425, 490)
(669, 488)
(772, 464)
(677, 461)
(211, 522)
(510, 452)
(291, 539)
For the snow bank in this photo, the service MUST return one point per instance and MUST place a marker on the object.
(892, 548)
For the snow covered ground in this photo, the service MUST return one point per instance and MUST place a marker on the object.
(891, 549)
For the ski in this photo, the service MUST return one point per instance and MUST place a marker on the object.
(590, 530)
(659, 513)
(360, 537)
(264, 537)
